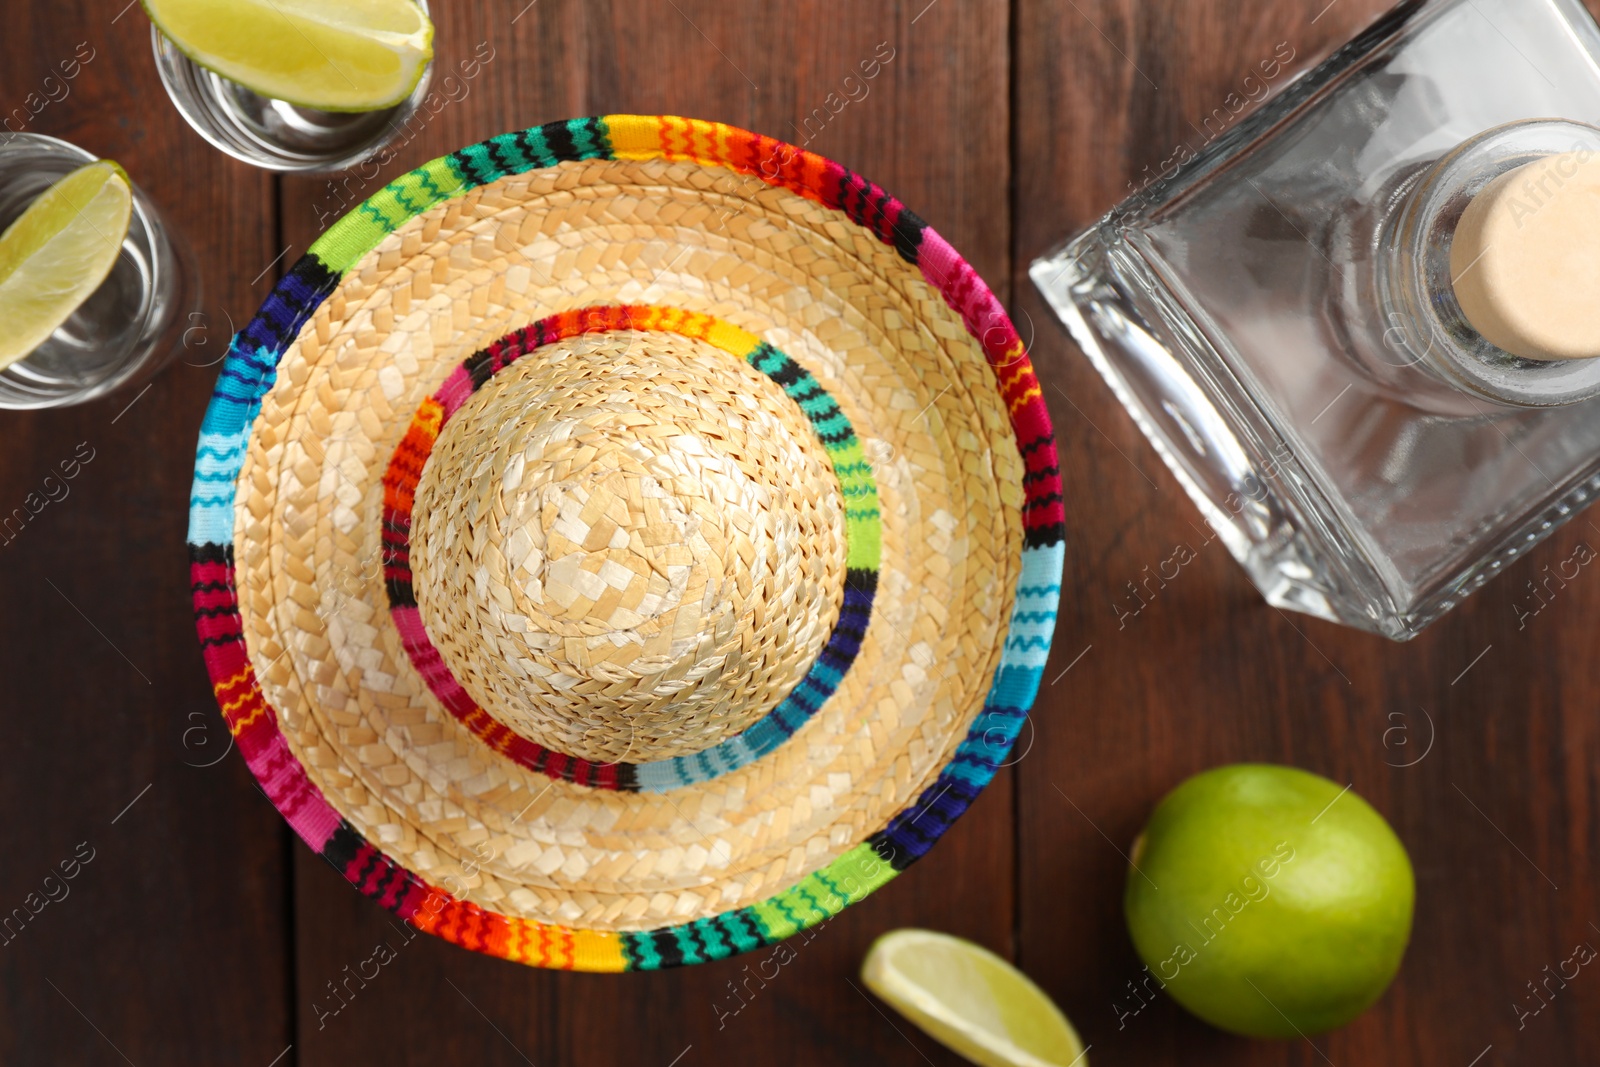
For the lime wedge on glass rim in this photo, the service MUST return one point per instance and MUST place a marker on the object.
(971, 1001)
(58, 252)
(331, 55)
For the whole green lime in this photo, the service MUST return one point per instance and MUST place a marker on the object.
(1269, 901)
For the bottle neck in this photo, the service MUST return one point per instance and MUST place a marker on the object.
(1415, 284)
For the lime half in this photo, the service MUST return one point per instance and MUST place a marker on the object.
(58, 252)
(971, 1001)
(350, 55)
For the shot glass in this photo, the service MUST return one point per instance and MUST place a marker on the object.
(129, 327)
(275, 134)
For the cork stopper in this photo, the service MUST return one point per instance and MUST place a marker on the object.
(1525, 259)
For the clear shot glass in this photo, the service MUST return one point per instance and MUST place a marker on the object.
(275, 134)
(128, 328)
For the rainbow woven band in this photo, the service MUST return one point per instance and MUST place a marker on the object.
(861, 533)
(251, 368)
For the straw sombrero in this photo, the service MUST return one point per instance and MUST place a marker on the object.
(626, 542)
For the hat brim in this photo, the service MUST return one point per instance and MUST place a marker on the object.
(355, 752)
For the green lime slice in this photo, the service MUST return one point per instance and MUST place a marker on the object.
(971, 1001)
(58, 252)
(350, 55)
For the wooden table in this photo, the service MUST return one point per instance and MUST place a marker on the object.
(200, 932)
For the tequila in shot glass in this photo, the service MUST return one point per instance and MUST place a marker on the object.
(130, 326)
(275, 134)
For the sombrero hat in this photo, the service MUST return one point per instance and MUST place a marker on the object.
(626, 542)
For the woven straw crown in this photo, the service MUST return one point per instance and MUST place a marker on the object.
(626, 542)
(633, 548)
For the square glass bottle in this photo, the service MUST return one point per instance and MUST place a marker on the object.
(1277, 314)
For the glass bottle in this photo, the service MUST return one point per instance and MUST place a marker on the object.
(275, 134)
(130, 326)
(1276, 311)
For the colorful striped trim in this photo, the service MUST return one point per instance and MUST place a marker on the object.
(250, 370)
(862, 548)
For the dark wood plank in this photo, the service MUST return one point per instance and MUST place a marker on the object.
(1497, 814)
(933, 129)
(170, 945)
(173, 944)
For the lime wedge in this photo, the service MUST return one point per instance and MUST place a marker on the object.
(332, 55)
(58, 252)
(971, 1001)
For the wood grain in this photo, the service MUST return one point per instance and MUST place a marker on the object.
(201, 933)
(171, 944)
(1497, 805)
